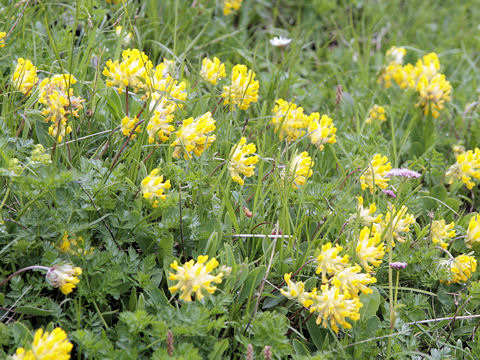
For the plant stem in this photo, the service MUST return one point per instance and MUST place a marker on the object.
(33, 267)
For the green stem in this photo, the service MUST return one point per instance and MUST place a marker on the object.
(390, 289)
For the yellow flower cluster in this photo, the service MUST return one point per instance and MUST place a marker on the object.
(243, 90)
(390, 73)
(161, 80)
(64, 276)
(376, 112)
(366, 215)
(473, 231)
(370, 250)
(128, 125)
(194, 277)
(321, 132)
(56, 94)
(289, 120)
(129, 72)
(466, 168)
(339, 296)
(461, 268)
(25, 76)
(396, 221)
(2, 38)
(433, 88)
(159, 126)
(194, 136)
(229, 5)
(375, 173)
(441, 231)
(39, 155)
(46, 346)
(240, 162)
(212, 71)
(299, 169)
(73, 245)
(153, 187)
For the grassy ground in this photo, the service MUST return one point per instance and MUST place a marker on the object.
(86, 207)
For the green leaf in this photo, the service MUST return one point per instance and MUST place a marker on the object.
(371, 303)
(300, 348)
(253, 279)
(30, 310)
(218, 350)
(317, 333)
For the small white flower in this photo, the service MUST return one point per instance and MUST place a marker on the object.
(280, 41)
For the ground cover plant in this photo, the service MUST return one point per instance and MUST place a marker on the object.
(256, 179)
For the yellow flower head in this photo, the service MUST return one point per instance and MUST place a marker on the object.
(334, 307)
(159, 126)
(64, 277)
(153, 187)
(194, 136)
(353, 281)
(2, 38)
(433, 94)
(399, 221)
(73, 245)
(243, 89)
(128, 124)
(193, 277)
(328, 262)
(321, 132)
(25, 76)
(299, 169)
(212, 71)
(296, 291)
(240, 162)
(47, 346)
(290, 121)
(128, 72)
(396, 54)
(229, 5)
(428, 66)
(366, 215)
(461, 268)
(473, 231)
(376, 112)
(375, 173)
(441, 232)
(370, 250)
(161, 81)
(466, 168)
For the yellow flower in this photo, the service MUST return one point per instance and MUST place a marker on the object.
(2, 38)
(353, 281)
(73, 245)
(299, 169)
(370, 250)
(377, 112)
(461, 268)
(126, 38)
(399, 221)
(159, 126)
(229, 5)
(433, 94)
(244, 88)
(396, 54)
(290, 121)
(56, 95)
(64, 277)
(322, 132)
(128, 72)
(153, 187)
(328, 262)
(473, 231)
(334, 307)
(128, 124)
(25, 76)
(212, 71)
(193, 277)
(161, 81)
(240, 162)
(47, 346)
(466, 168)
(375, 173)
(365, 214)
(441, 232)
(194, 136)
(296, 291)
